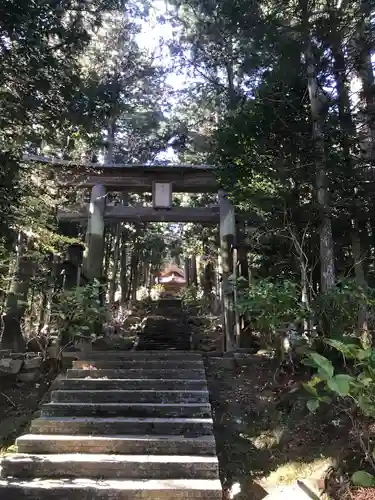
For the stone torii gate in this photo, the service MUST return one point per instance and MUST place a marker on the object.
(162, 181)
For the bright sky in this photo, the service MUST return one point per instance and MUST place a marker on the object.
(151, 38)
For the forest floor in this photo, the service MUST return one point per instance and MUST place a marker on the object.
(19, 401)
(266, 437)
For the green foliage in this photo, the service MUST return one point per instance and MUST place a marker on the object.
(340, 306)
(78, 312)
(190, 296)
(272, 306)
(350, 389)
(363, 478)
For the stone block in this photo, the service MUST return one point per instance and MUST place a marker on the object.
(188, 427)
(86, 489)
(18, 355)
(110, 466)
(77, 409)
(127, 445)
(138, 373)
(10, 366)
(242, 359)
(118, 396)
(224, 363)
(94, 384)
(5, 353)
(145, 364)
(32, 363)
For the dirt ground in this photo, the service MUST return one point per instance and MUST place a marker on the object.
(19, 401)
(266, 437)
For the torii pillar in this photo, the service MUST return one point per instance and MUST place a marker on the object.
(227, 242)
(93, 259)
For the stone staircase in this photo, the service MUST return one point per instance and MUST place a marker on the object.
(121, 425)
(166, 328)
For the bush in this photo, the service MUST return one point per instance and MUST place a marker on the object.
(351, 390)
(336, 311)
(272, 306)
(79, 313)
(192, 298)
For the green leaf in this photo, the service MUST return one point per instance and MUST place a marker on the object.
(366, 405)
(348, 350)
(340, 384)
(325, 399)
(363, 478)
(363, 354)
(308, 362)
(325, 367)
(340, 346)
(364, 379)
(309, 388)
(313, 405)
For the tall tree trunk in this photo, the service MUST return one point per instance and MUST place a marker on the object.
(348, 138)
(124, 282)
(327, 267)
(108, 252)
(362, 57)
(134, 277)
(115, 262)
(16, 302)
(111, 130)
(193, 269)
(187, 270)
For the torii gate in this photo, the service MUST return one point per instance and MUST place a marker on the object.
(162, 181)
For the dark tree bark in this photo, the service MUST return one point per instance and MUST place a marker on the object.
(16, 301)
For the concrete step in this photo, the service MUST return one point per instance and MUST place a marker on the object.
(113, 426)
(184, 342)
(109, 466)
(127, 445)
(165, 332)
(196, 410)
(139, 355)
(153, 346)
(85, 489)
(116, 396)
(129, 384)
(151, 364)
(198, 374)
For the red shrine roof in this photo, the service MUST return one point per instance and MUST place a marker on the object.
(172, 273)
(172, 269)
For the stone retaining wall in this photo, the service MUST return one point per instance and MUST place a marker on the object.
(25, 367)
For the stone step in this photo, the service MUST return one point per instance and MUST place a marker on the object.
(127, 445)
(169, 332)
(171, 340)
(113, 426)
(155, 346)
(151, 364)
(85, 489)
(129, 384)
(198, 374)
(159, 346)
(117, 396)
(109, 466)
(139, 355)
(197, 410)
